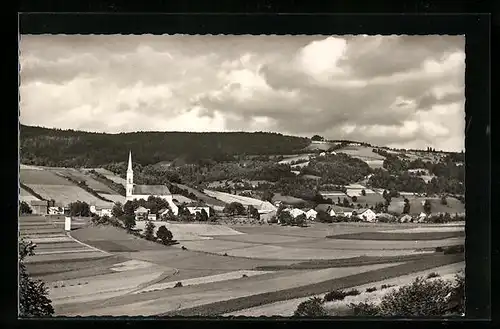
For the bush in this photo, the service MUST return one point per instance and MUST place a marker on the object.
(433, 275)
(24, 208)
(178, 284)
(372, 289)
(129, 222)
(421, 298)
(149, 231)
(33, 294)
(439, 249)
(385, 286)
(164, 235)
(364, 309)
(340, 294)
(244, 276)
(312, 307)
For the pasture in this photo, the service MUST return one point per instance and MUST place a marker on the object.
(202, 196)
(41, 177)
(79, 176)
(287, 199)
(229, 198)
(361, 152)
(416, 206)
(110, 175)
(226, 269)
(65, 194)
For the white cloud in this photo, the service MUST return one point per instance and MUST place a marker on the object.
(391, 90)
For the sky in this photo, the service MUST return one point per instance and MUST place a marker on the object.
(396, 91)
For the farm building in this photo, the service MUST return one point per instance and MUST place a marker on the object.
(367, 215)
(39, 207)
(141, 213)
(101, 210)
(405, 219)
(295, 212)
(197, 207)
(145, 191)
(152, 217)
(56, 210)
(311, 214)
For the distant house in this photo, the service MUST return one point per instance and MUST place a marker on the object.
(152, 216)
(103, 211)
(422, 217)
(295, 212)
(405, 219)
(333, 210)
(197, 207)
(39, 207)
(141, 213)
(56, 209)
(311, 214)
(367, 215)
(322, 154)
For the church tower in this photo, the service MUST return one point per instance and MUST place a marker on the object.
(130, 177)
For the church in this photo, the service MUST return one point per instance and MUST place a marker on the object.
(138, 192)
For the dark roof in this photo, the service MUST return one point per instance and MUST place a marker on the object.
(151, 190)
(327, 207)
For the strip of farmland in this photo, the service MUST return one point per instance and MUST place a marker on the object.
(236, 304)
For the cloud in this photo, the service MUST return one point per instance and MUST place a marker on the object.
(403, 91)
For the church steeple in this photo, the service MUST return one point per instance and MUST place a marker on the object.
(130, 178)
(129, 161)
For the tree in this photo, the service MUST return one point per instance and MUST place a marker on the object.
(317, 138)
(164, 235)
(363, 192)
(406, 207)
(203, 215)
(129, 222)
(323, 217)
(234, 208)
(267, 196)
(345, 203)
(79, 209)
(421, 298)
(285, 218)
(129, 207)
(117, 210)
(24, 208)
(427, 207)
(312, 307)
(354, 198)
(300, 220)
(149, 230)
(33, 294)
(444, 202)
(379, 207)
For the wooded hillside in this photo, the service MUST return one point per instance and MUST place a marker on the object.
(70, 148)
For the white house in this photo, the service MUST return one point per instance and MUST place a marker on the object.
(405, 219)
(295, 212)
(422, 217)
(367, 215)
(152, 217)
(197, 207)
(348, 214)
(56, 211)
(141, 213)
(103, 211)
(322, 154)
(311, 214)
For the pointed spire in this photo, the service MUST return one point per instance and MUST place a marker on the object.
(129, 161)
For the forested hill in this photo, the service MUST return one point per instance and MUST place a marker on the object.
(70, 148)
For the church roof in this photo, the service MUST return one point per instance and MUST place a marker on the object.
(151, 190)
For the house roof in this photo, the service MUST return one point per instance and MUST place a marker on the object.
(141, 209)
(151, 190)
(327, 207)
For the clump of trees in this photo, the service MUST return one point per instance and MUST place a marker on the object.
(165, 235)
(33, 294)
(234, 208)
(24, 208)
(79, 209)
(312, 307)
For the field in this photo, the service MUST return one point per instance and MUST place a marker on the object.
(231, 269)
(109, 175)
(202, 196)
(66, 194)
(41, 177)
(287, 199)
(416, 207)
(228, 198)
